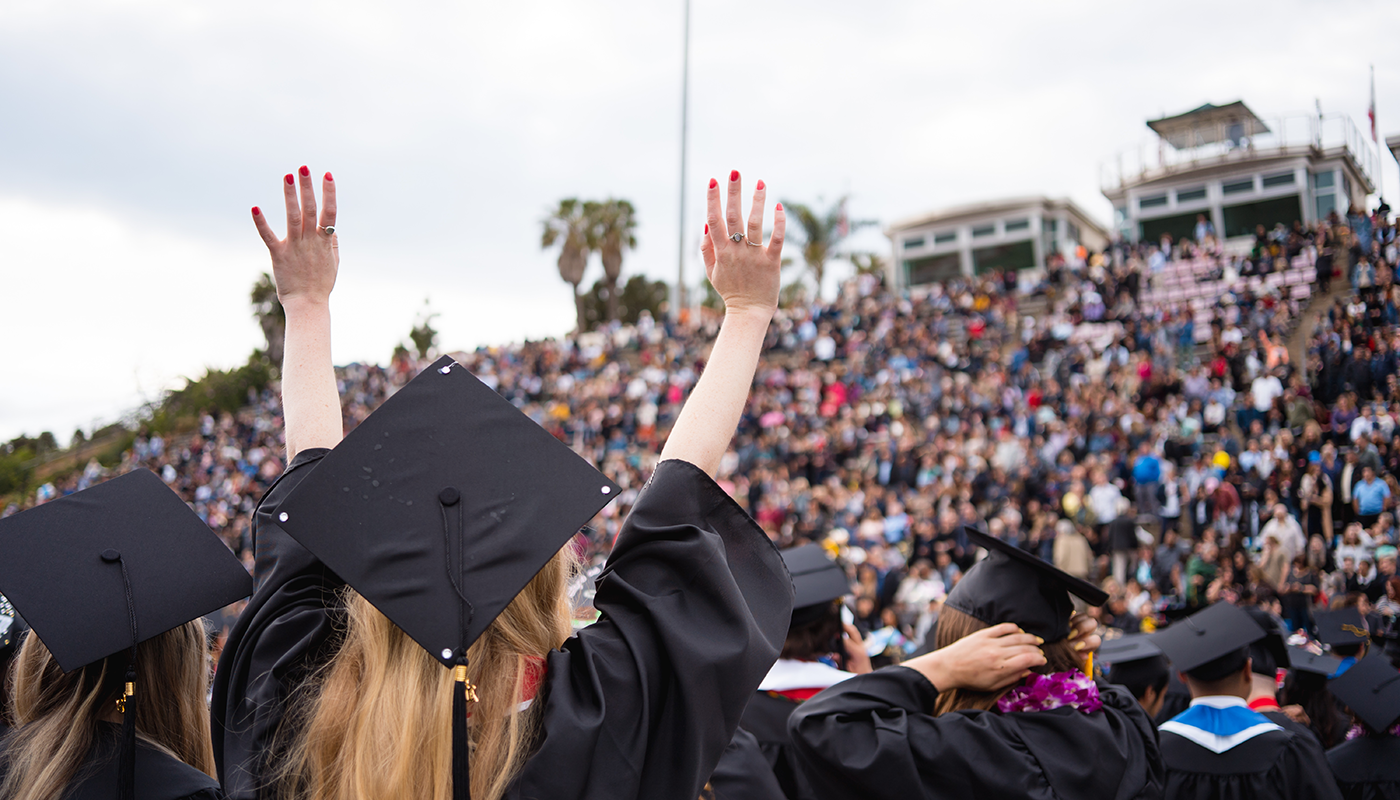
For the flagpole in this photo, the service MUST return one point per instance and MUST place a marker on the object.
(1375, 140)
(685, 103)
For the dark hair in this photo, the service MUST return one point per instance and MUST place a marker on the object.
(1140, 675)
(814, 633)
(1309, 690)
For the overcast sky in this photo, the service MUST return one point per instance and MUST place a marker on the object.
(134, 137)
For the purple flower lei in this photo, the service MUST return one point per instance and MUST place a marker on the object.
(1044, 692)
(1356, 731)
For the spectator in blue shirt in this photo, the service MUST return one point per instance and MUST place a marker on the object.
(1147, 477)
(1369, 497)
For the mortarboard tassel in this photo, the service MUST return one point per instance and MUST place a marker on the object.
(126, 760)
(462, 692)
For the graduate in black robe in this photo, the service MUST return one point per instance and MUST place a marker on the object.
(114, 581)
(446, 501)
(1367, 764)
(743, 772)
(1220, 747)
(880, 735)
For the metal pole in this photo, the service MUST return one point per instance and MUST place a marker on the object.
(685, 103)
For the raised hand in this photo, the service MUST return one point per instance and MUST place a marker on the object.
(304, 264)
(744, 272)
(985, 661)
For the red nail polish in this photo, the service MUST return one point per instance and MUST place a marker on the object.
(780, 206)
(760, 184)
(305, 171)
(707, 225)
(290, 180)
(713, 183)
(734, 175)
(256, 211)
(329, 178)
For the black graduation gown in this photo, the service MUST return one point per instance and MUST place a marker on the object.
(743, 772)
(1367, 768)
(158, 775)
(874, 736)
(1278, 764)
(694, 606)
(766, 719)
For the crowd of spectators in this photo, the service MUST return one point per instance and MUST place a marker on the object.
(1101, 433)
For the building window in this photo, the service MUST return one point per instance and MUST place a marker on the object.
(1241, 220)
(913, 243)
(1120, 215)
(1053, 225)
(945, 237)
(1326, 204)
(1191, 195)
(1278, 179)
(1324, 180)
(1073, 232)
(1235, 187)
(1017, 255)
(1017, 225)
(983, 230)
(933, 268)
(1155, 201)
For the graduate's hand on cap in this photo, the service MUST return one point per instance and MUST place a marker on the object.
(984, 661)
(745, 273)
(1083, 633)
(857, 660)
(304, 264)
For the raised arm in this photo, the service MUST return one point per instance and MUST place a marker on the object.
(304, 267)
(745, 273)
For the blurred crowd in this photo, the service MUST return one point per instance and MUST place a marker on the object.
(1112, 436)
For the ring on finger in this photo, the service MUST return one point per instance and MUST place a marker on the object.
(753, 243)
(326, 229)
(737, 237)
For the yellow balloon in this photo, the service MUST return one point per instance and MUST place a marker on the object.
(1222, 459)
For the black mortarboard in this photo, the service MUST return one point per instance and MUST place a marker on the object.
(1342, 627)
(816, 579)
(1011, 585)
(1308, 661)
(107, 568)
(64, 563)
(1215, 633)
(439, 508)
(1131, 647)
(1371, 688)
(1269, 654)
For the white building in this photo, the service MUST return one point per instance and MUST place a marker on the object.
(1227, 164)
(1018, 233)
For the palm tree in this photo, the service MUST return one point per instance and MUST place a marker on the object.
(570, 224)
(613, 223)
(821, 233)
(270, 316)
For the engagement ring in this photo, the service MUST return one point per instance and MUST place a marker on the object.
(738, 237)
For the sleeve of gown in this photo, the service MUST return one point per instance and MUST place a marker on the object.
(695, 603)
(1303, 771)
(743, 772)
(874, 737)
(283, 632)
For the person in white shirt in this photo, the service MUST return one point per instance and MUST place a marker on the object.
(1103, 498)
(1286, 528)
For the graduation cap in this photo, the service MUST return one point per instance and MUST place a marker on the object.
(1134, 661)
(104, 569)
(1305, 660)
(1130, 647)
(1011, 585)
(1211, 643)
(1269, 654)
(439, 509)
(1371, 689)
(1342, 627)
(816, 581)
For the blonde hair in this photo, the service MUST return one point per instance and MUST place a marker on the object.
(57, 714)
(377, 721)
(954, 625)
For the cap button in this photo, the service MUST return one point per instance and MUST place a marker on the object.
(111, 556)
(449, 496)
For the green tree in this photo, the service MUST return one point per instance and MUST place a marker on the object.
(821, 233)
(636, 296)
(271, 317)
(424, 335)
(613, 222)
(868, 264)
(571, 227)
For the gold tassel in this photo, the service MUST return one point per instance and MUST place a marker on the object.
(460, 674)
(127, 692)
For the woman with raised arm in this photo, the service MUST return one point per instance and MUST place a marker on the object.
(405, 548)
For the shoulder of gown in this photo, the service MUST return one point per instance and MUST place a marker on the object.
(1368, 766)
(743, 772)
(159, 776)
(694, 606)
(875, 736)
(1280, 764)
(285, 631)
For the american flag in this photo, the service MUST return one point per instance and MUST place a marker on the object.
(1371, 113)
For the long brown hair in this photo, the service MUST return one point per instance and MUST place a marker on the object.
(57, 714)
(954, 625)
(377, 720)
